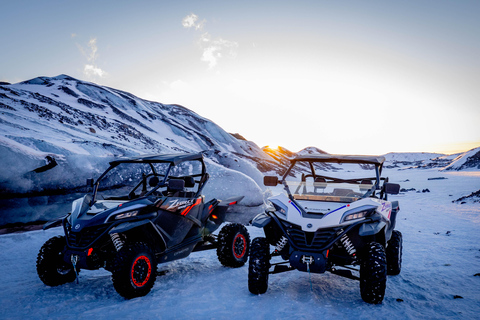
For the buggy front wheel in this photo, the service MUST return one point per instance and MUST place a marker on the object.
(51, 267)
(373, 273)
(259, 265)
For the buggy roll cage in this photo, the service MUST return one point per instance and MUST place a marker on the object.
(171, 159)
(377, 161)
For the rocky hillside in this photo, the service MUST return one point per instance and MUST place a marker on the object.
(469, 160)
(57, 132)
(63, 119)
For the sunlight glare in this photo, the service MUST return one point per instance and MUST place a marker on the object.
(273, 147)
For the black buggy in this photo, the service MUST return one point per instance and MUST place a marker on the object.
(142, 211)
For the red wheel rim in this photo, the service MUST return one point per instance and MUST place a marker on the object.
(239, 246)
(141, 271)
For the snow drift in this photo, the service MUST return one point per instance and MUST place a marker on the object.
(439, 279)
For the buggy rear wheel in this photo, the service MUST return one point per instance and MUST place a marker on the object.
(233, 245)
(259, 265)
(394, 253)
(51, 268)
(134, 270)
(373, 273)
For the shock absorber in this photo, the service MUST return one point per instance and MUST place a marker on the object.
(117, 241)
(348, 245)
(281, 244)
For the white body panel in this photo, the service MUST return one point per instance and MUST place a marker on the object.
(330, 213)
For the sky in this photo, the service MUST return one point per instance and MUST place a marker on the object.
(348, 77)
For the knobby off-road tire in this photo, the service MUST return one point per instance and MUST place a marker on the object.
(233, 245)
(373, 273)
(394, 253)
(259, 265)
(134, 270)
(51, 268)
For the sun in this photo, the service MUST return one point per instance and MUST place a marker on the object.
(273, 147)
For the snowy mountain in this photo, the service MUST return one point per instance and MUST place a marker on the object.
(57, 132)
(64, 117)
(466, 161)
(311, 150)
(281, 156)
(408, 159)
(469, 160)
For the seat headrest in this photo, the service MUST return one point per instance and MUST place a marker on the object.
(320, 182)
(189, 182)
(176, 185)
(153, 181)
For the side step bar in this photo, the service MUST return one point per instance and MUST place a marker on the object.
(344, 273)
(280, 267)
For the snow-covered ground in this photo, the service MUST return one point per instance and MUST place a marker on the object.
(440, 260)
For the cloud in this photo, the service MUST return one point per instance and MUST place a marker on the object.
(93, 49)
(212, 49)
(191, 21)
(90, 69)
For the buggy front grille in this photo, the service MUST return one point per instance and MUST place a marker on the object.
(311, 240)
(85, 237)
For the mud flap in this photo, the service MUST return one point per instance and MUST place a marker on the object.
(261, 220)
(370, 229)
(393, 215)
(220, 211)
(54, 223)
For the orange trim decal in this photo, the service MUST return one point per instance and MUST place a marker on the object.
(187, 209)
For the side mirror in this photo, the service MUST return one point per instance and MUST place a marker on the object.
(90, 183)
(391, 188)
(270, 181)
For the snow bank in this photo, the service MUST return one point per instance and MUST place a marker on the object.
(225, 183)
(441, 256)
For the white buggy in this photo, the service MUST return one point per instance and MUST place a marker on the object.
(332, 216)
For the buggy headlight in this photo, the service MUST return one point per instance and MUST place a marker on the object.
(348, 216)
(279, 207)
(128, 214)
